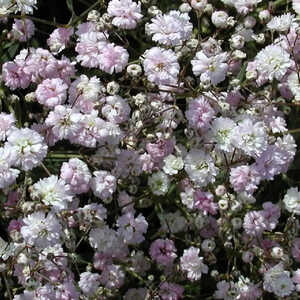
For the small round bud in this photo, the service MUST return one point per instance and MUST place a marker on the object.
(219, 19)
(236, 223)
(134, 70)
(247, 256)
(154, 11)
(249, 22)
(277, 252)
(220, 190)
(30, 97)
(264, 15)
(93, 16)
(250, 75)
(237, 41)
(223, 204)
(112, 88)
(208, 245)
(185, 8)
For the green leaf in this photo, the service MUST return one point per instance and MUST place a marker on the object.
(12, 50)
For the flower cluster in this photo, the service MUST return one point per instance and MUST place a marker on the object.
(145, 152)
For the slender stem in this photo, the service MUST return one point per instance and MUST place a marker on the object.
(297, 130)
(46, 170)
(37, 20)
(86, 12)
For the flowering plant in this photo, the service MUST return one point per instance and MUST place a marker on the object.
(148, 150)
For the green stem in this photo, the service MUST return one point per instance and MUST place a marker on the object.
(37, 20)
(280, 2)
(85, 12)
(293, 131)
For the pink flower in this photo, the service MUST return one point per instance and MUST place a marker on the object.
(254, 223)
(161, 66)
(214, 67)
(125, 13)
(296, 250)
(244, 179)
(14, 76)
(199, 113)
(113, 58)
(160, 149)
(76, 175)
(22, 30)
(163, 251)
(191, 263)
(7, 122)
(205, 201)
(59, 39)
(170, 291)
(51, 92)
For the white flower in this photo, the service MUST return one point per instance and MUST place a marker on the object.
(40, 230)
(250, 137)
(172, 165)
(281, 23)
(214, 67)
(294, 85)
(25, 6)
(159, 183)
(103, 239)
(29, 147)
(292, 200)
(200, 167)
(222, 132)
(273, 62)
(193, 264)
(171, 29)
(278, 281)
(103, 185)
(52, 191)
(296, 6)
(219, 19)
(8, 175)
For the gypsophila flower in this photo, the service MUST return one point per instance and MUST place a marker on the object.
(281, 23)
(272, 62)
(296, 6)
(200, 167)
(76, 175)
(40, 230)
(172, 164)
(163, 251)
(291, 200)
(125, 13)
(89, 283)
(294, 85)
(52, 191)
(171, 29)
(103, 185)
(59, 39)
(214, 67)
(7, 124)
(199, 113)
(191, 263)
(159, 183)
(22, 30)
(29, 147)
(161, 66)
(51, 92)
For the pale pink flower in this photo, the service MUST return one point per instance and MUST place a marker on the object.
(199, 113)
(103, 185)
(76, 175)
(191, 263)
(170, 291)
(59, 39)
(214, 67)
(116, 109)
(89, 283)
(161, 66)
(112, 58)
(171, 29)
(204, 201)
(244, 179)
(7, 123)
(22, 30)
(125, 13)
(51, 92)
(163, 251)
(29, 147)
